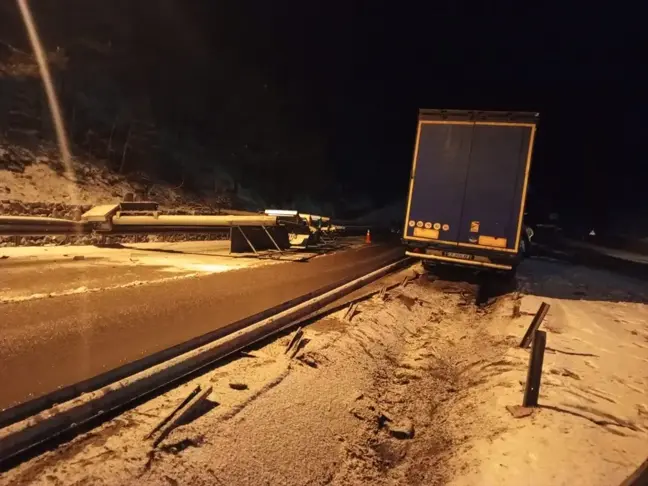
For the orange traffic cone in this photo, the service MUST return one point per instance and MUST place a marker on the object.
(368, 237)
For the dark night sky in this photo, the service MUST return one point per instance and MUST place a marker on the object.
(356, 72)
(364, 68)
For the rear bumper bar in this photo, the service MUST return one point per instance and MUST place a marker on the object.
(459, 261)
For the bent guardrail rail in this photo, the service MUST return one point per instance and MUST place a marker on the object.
(247, 232)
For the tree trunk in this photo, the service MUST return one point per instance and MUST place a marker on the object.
(123, 160)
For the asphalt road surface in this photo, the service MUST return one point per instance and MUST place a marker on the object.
(47, 344)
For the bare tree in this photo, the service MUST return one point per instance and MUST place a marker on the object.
(123, 160)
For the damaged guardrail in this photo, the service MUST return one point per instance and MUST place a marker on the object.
(247, 232)
(41, 226)
(274, 229)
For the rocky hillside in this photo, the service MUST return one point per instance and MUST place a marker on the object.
(147, 103)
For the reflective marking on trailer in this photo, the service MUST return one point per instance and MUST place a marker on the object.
(426, 233)
(437, 226)
(412, 223)
(462, 256)
(419, 224)
(428, 225)
(474, 226)
(446, 227)
(492, 241)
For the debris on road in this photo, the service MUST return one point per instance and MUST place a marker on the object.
(402, 430)
(382, 295)
(351, 311)
(308, 360)
(184, 415)
(235, 385)
(166, 419)
(518, 411)
(408, 301)
(383, 418)
(296, 337)
(299, 345)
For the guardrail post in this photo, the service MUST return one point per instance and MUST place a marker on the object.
(247, 239)
(535, 324)
(272, 239)
(534, 374)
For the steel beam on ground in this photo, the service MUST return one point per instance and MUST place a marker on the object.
(105, 220)
(188, 221)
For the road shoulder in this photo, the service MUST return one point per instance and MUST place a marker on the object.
(592, 423)
(413, 389)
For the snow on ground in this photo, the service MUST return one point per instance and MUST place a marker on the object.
(592, 424)
(622, 254)
(41, 183)
(412, 391)
(38, 272)
(31, 171)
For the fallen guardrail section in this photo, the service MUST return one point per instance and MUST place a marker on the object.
(274, 229)
(65, 417)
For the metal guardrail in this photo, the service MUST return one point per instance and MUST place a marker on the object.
(247, 232)
(143, 217)
(136, 218)
(207, 221)
(272, 230)
(39, 226)
(27, 226)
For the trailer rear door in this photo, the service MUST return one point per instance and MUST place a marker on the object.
(468, 183)
(443, 154)
(494, 186)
